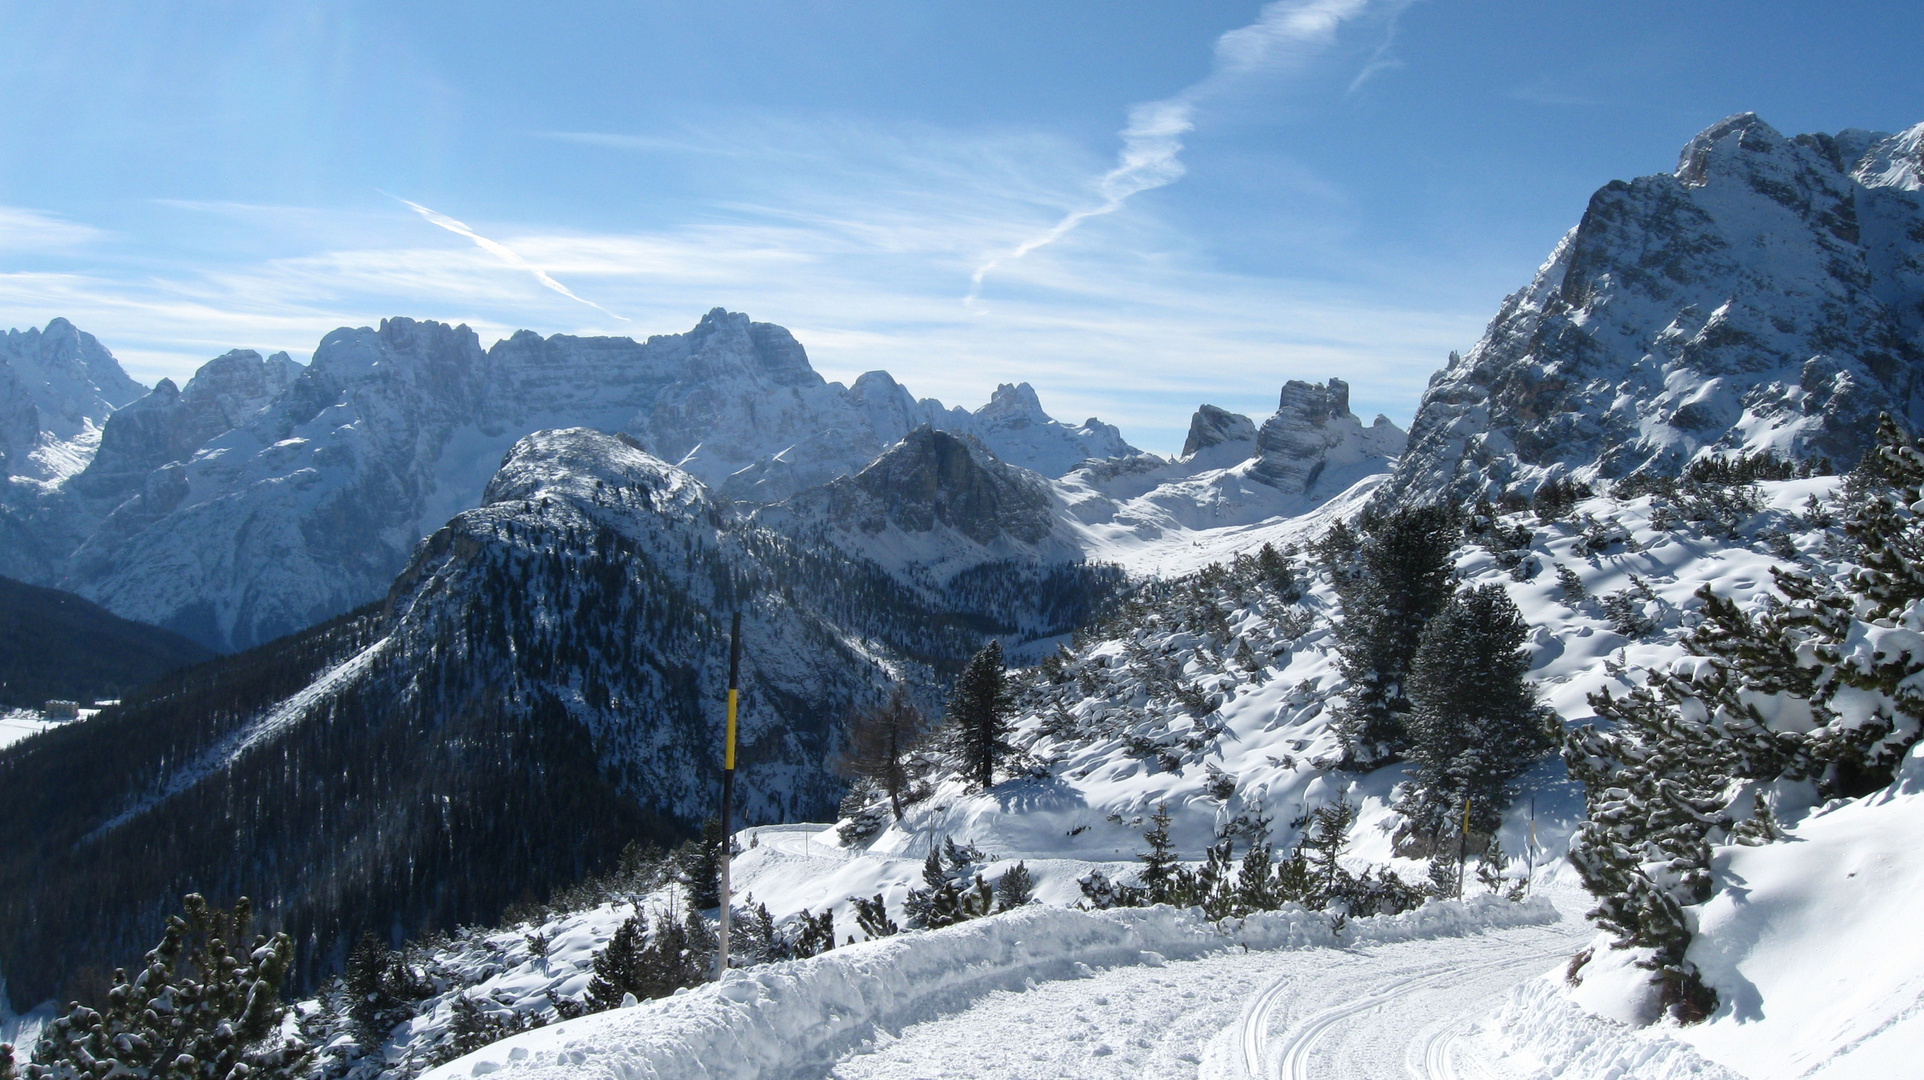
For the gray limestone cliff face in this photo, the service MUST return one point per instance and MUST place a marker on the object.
(1313, 434)
(1213, 427)
(1766, 295)
(170, 423)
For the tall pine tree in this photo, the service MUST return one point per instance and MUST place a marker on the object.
(979, 716)
(879, 740)
(1474, 724)
(1399, 577)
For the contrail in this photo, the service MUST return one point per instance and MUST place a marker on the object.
(1286, 33)
(503, 252)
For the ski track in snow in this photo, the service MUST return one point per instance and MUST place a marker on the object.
(1365, 1013)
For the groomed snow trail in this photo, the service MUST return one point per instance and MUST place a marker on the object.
(1370, 1013)
(1403, 1011)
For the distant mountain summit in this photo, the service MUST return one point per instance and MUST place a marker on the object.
(1767, 294)
(264, 497)
(57, 388)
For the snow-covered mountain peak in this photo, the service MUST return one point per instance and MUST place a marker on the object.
(1219, 437)
(1895, 161)
(203, 514)
(57, 388)
(1767, 295)
(932, 487)
(1017, 402)
(582, 463)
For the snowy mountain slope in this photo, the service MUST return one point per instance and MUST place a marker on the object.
(1161, 703)
(57, 388)
(1809, 940)
(1769, 293)
(264, 496)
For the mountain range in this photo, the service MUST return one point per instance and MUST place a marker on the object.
(500, 573)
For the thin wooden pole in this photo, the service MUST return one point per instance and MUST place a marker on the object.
(1463, 847)
(728, 785)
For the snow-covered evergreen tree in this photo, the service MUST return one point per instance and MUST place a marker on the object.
(1817, 688)
(1474, 725)
(201, 1009)
(978, 716)
(1399, 578)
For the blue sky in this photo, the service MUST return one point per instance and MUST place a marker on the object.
(1135, 206)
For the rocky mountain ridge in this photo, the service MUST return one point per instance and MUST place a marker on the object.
(1766, 295)
(265, 496)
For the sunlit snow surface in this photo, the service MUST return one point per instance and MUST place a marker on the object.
(1816, 927)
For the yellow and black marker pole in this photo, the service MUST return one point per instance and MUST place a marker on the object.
(728, 785)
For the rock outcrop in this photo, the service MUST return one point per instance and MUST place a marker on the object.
(1313, 435)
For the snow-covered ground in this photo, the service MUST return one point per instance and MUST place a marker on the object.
(17, 724)
(808, 1017)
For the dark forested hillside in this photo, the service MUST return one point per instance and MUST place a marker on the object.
(55, 645)
(539, 689)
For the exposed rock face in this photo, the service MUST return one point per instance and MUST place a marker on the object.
(169, 424)
(1213, 427)
(57, 387)
(1768, 294)
(1313, 432)
(933, 479)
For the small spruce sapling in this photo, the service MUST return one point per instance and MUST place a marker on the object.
(1158, 876)
(1014, 888)
(1570, 586)
(872, 916)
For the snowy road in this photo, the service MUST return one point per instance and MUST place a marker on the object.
(1368, 1013)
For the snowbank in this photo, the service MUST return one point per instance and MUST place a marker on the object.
(1813, 946)
(796, 1018)
(1540, 1026)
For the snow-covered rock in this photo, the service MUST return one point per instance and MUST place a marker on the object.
(171, 423)
(1230, 437)
(1767, 294)
(1314, 432)
(932, 505)
(57, 388)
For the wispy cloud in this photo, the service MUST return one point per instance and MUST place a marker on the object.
(1286, 34)
(504, 253)
(32, 230)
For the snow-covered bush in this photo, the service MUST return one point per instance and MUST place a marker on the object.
(1817, 690)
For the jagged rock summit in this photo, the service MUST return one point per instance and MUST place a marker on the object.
(57, 388)
(1313, 433)
(1767, 294)
(1219, 437)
